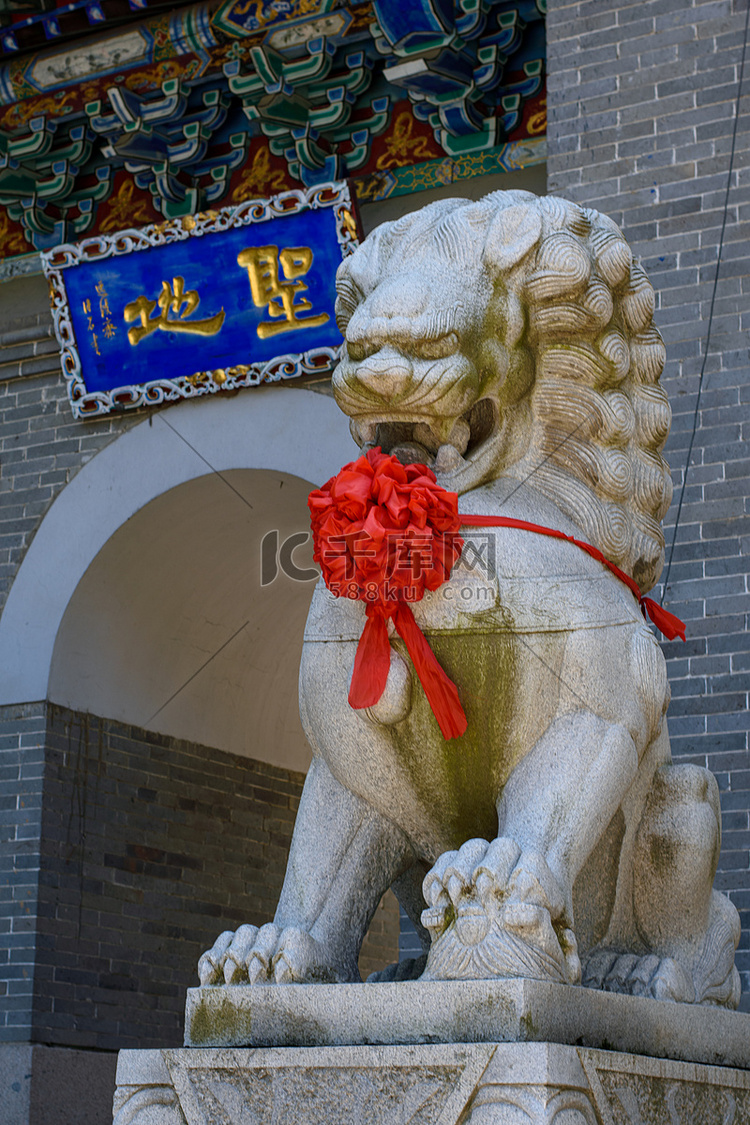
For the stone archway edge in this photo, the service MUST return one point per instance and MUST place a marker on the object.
(290, 430)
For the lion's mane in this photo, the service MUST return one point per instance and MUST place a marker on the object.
(579, 354)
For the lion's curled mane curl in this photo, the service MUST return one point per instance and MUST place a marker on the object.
(572, 315)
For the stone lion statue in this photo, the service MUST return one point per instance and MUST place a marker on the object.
(509, 344)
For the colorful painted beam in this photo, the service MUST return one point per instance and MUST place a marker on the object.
(245, 98)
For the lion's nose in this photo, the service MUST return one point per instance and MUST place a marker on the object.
(387, 373)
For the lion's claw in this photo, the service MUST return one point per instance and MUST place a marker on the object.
(496, 911)
(658, 977)
(235, 965)
(283, 972)
(268, 955)
(433, 886)
(257, 970)
(436, 919)
(211, 963)
(498, 861)
(461, 870)
(486, 871)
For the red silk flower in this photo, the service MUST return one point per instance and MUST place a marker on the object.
(384, 533)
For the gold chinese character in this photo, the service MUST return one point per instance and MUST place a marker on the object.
(109, 329)
(104, 307)
(87, 306)
(172, 297)
(100, 290)
(267, 288)
(96, 343)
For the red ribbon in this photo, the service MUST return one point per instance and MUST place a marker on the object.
(373, 661)
(666, 622)
(376, 497)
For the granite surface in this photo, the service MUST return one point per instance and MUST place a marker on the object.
(421, 1012)
(435, 1084)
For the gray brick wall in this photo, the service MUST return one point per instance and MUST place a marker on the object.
(22, 736)
(150, 848)
(136, 855)
(41, 445)
(642, 98)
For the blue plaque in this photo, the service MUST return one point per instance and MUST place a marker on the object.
(205, 303)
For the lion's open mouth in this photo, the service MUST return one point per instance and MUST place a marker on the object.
(444, 444)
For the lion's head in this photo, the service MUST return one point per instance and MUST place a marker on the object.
(514, 336)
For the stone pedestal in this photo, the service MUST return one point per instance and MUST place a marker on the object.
(474, 1053)
(431, 1084)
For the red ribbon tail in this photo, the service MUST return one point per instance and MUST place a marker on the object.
(441, 692)
(372, 662)
(666, 622)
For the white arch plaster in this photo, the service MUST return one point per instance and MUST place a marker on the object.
(287, 429)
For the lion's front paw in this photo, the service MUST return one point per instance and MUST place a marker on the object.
(268, 955)
(494, 911)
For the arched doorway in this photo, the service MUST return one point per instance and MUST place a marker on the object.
(174, 627)
(290, 430)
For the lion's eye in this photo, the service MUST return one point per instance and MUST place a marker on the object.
(439, 349)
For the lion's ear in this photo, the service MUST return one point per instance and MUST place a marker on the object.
(513, 233)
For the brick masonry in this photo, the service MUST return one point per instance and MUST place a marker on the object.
(150, 848)
(642, 110)
(22, 737)
(41, 445)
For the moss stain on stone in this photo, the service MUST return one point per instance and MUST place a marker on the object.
(216, 1022)
(463, 776)
(529, 1031)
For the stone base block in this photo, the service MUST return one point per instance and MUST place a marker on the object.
(511, 1052)
(427, 1084)
(336, 1015)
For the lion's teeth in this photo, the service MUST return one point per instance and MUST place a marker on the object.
(448, 458)
(364, 433)
(441, 432)
(460, 434)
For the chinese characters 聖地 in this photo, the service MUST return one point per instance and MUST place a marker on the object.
(276, 286)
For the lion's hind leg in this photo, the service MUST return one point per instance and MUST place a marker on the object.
(687, 931)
